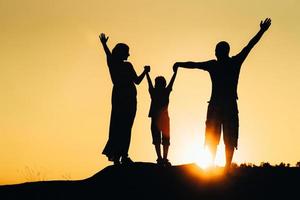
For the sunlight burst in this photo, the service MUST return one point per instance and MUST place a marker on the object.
(196, 152)
(204, 158)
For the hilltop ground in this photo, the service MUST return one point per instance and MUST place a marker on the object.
(148, 181)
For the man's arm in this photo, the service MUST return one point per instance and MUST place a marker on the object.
(264, 26)
(103, 40)
(139, 78)
(192, 65)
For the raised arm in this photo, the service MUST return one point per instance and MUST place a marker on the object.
(103, 40)
(170, 85)
(264, 26)
(150, 85)
(139, 78)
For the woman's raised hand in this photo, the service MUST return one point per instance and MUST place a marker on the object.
(103, 38)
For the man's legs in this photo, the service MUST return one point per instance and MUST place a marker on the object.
(230, 132)
(213, 129)
(213, 150)
(229, 150)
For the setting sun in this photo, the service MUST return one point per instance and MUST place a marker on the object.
(204, 158)
(197, 153)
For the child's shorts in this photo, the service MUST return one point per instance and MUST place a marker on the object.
(160, 129)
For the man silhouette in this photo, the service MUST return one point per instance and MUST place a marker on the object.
(222, 112)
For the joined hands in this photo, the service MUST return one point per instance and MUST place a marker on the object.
(175, 67)
(147, 69)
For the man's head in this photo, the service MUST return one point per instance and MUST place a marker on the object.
(160, 82)
(222, 50)
(121, 51)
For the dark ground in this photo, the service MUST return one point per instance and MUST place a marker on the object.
(148, 181)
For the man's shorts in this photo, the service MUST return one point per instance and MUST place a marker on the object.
(222, 117)
(160, 129)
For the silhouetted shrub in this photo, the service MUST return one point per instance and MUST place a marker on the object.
(281, 165)
(234, 165)
(247, 165)
(265, 164)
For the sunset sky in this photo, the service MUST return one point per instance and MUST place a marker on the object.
(55, 87)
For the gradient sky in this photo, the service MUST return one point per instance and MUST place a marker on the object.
(55, 85)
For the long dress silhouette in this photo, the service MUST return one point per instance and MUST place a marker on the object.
(123, 101)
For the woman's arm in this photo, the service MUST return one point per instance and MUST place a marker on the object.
(103, 40)
(139, 78)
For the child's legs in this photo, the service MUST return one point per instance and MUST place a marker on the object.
(165, 151)
(158, 151)
(156, 138)
(165, 127)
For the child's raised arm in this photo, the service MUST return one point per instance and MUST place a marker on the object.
(170, 86)
(150, 85)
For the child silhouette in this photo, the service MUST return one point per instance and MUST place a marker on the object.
(160, 121)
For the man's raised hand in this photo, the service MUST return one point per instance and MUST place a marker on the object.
(264, 25)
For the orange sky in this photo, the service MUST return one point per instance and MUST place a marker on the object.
(55, 85)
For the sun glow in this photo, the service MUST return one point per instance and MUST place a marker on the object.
(204, 159)
(193, 150)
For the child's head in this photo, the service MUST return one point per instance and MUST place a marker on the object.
(160, 82)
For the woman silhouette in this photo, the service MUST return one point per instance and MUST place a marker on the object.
(123, 101)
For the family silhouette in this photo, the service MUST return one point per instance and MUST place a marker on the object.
(222, 112)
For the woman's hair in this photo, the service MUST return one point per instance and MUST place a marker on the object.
(120, 51)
